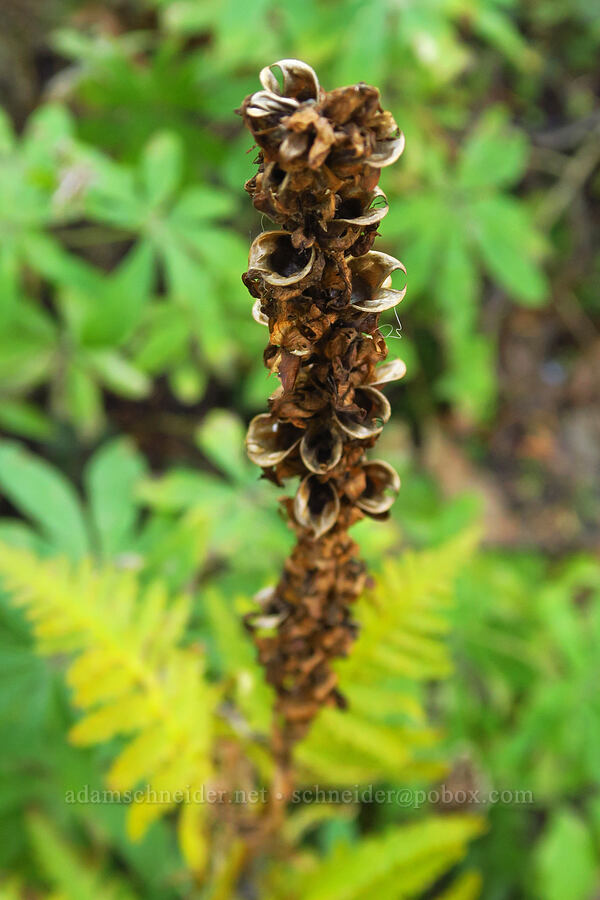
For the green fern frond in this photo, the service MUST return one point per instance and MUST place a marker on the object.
(67, 874)
(466, 887)
(130, 678)
(402, 862)
(403, 622)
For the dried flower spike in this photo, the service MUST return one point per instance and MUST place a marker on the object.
(320, 288)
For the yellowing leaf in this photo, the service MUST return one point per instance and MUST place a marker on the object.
(130, 677)
(403, 623)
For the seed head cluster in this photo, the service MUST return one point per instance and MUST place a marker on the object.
(319, 288)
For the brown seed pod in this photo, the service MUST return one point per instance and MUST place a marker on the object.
(320, 288)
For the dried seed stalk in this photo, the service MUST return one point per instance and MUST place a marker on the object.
(320, 289)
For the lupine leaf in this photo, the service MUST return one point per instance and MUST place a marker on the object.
(44, 494)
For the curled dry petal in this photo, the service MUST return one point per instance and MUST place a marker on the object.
(364, 208)
(371, 275)
(299, 80)
(267, 621)
(265, 103)
(321, 448)
(374, 412)
(393, 370)
(275, 257)
(258, 315)
(263, 597)
(383, 484)
(268, 441)
(316, 505)
(386, 152)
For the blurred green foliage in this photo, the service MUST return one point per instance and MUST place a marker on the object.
(129, 362)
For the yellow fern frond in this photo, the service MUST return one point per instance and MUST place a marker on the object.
(466, 887)
(401, 862)
(130, 677)
(403, 622)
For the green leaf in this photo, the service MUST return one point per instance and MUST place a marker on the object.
(503, 231)
(469, 381)
(25, 419)
(183, 489)
(193, 288)
(50, 259)
(162, 164)
(496, 28)
(457, 287)
(115, 311)
(119, 375)
(83, 400)
(201, 204)
(493, 155)
(188, 383)
(26, 686)
(7, 134)
(566, 861)
(9, 282)
(44, 494)
(48, 124)
(221, 437)
(164, 340)
(111, 477)
(402, 862)
(112, 195)
(70, 876)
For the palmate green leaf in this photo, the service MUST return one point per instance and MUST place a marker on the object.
(503, 232)
(48, 257)
(112, 194)
(495, 26)
(44, 494)
(399, 863)
(493, 155)
(457, 288)
(200, 204)
(182, 489)
(172, 548)
(110, 478)
(192, 287)
(245, 525)
(114, 310)
(162, 167)
(130, 677)
(163, 338)
(49, 129)
(419, 222)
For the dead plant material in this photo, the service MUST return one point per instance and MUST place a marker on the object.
(320, 288)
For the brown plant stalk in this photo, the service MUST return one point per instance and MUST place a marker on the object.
(320, 289)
